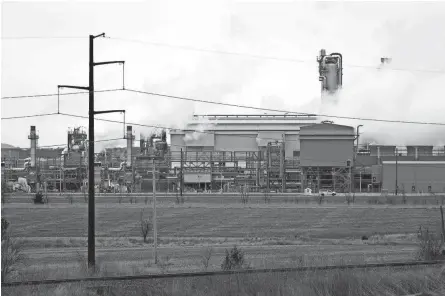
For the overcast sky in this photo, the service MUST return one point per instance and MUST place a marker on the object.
(411, 34)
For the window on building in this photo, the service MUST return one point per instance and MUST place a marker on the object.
(296, 153)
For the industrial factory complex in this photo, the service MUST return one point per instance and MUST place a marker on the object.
(226, 153)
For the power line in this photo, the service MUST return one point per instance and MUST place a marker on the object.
(237, 106)
(264, 57)
(282, 111)
(64, 144)
(61, 94)
(29, 116)
(170, 128)
(42, 37)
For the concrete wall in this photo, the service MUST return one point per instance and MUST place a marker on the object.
(326, 153)
(414, 173)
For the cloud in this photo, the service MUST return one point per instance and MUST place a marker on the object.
(410, 33)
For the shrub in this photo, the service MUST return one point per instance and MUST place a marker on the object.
(430, 245)
(5, 225)
(266, 196)
(12, 256)
(70, 198)
(146, 226)
(320, 199)
(38, 198)
(244, 194)
(233, 260)
(206, 257)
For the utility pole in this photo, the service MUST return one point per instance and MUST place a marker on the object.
(397, 168)
(91, 113)
(155, 229)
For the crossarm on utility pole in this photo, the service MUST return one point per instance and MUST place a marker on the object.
(74, 86)
(109, 111)
(111, 62)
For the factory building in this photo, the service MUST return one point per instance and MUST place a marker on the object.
(327, 154)
(414, 176)
(283, 152)
(254, 150)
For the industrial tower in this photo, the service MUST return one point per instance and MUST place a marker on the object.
(330, 68)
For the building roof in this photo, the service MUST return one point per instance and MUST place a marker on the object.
(8, 146)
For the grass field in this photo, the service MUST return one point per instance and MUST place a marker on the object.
(290, 222)
(272, 235)
(398, 282)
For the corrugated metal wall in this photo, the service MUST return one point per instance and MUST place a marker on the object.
(418, 174)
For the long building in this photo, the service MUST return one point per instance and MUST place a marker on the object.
(225, 152)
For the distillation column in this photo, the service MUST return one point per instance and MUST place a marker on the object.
(330, 68)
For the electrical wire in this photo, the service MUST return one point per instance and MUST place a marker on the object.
(42, 37)
(281, 111)
(61, 94)
(239, 106)
(191, 48)
(28, 116)
(64, 144)
(170, 128)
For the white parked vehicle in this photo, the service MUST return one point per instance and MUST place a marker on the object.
(326, 192)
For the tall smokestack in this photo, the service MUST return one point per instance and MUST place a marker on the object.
(33, 137)
(129, 144)
(142, 144)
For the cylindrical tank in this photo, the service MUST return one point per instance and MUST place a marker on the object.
(331, 77)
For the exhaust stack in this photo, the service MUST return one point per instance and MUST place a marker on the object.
(33, 137)
(130, 139)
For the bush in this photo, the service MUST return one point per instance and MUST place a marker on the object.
(244, 194)
(266, 196)
(233, 260)
(12, 255)
(430, 245)
(38, 199)
(5, 225)
(146, 226)
(206, 257)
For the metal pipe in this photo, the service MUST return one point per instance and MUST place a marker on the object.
(340, 67)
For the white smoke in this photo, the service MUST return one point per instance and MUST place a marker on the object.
(387, 93)
(199, 132)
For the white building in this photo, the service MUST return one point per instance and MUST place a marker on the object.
(240, 132)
